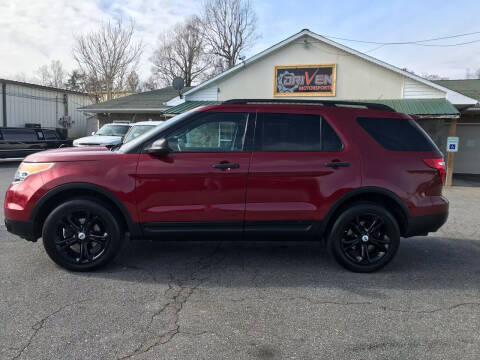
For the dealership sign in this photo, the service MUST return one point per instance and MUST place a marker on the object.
(304, 80)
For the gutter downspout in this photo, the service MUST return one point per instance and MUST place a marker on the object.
(4, 104)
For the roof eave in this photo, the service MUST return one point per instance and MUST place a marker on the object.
(43, 87)
(123, 111)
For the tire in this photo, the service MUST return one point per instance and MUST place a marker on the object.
(82, 234)
(364, 238)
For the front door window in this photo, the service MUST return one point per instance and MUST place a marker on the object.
(216, 132)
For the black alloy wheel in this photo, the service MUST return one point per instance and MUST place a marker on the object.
(364, 238)
(81, 235)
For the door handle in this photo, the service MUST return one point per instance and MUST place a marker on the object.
(336, 164)
(225, 166)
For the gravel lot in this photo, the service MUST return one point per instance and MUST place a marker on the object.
(247, 300)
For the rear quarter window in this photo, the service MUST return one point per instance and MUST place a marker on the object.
(397, 134)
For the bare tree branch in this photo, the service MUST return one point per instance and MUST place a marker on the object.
(229, 28)
(107, 55)
(181, 52)
(52, 75)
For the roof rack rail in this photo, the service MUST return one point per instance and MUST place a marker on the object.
(372, 106)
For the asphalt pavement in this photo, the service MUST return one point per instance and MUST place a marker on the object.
(266, 300)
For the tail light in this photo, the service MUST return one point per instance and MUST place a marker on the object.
(438, 164)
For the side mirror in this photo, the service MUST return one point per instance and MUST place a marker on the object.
(158, 147)
(93, 133)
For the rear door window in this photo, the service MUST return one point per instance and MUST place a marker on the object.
(295, 132)
(19, 135)
(50, 134)
(398, 134)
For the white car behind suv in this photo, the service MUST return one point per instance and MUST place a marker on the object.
(140, 128)
(108, 135)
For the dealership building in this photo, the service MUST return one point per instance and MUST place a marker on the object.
(309, 66)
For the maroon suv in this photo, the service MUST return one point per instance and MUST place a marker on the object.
(357, 175)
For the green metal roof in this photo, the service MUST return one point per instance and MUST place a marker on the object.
(146, 101)
(407, 106)
(188, 105)
(467, 87)
(420, 106)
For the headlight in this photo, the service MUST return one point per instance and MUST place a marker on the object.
(26, 169)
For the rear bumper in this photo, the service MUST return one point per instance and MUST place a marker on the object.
(24, 229)
(422, 225)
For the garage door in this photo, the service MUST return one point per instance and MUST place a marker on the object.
(467, 160)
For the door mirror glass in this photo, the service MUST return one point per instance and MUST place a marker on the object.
(93, 133)
(158, 147)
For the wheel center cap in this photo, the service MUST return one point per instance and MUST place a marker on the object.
(81, 236)
(365, 238)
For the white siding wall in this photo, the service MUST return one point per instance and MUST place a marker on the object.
(32, 105)
(79, 126)
(210, 93)
(35, 105)
(416, 90)
(357, 78)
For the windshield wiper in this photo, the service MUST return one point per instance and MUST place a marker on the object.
(115, 147)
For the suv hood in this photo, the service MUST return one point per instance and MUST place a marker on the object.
(90, 153)
(97, 140)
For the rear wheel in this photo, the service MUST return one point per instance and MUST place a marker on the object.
(364, 238)
(82, 235)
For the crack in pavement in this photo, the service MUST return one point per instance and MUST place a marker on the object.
(384, 308)
(393, 344)
(448, 308)
(40, 324)
(178, 294)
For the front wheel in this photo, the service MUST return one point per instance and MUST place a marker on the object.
(82, 235)
(364, 238)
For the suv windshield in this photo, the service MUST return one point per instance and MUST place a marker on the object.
(113, 130)
(140, 140)
(136, 131)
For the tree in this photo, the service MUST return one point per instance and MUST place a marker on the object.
(181, 52)
(472, 74)
(133, 82)
(76, 81)
(434, 77)
(21, 76)
(107, 55)
(230, 28)
(52, 75)
(152, 83)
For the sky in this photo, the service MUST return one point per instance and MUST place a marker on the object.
(32, 33)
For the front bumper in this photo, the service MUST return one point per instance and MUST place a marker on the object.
(24, 229)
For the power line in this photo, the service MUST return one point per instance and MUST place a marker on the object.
(448, 45)
(416, 42)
